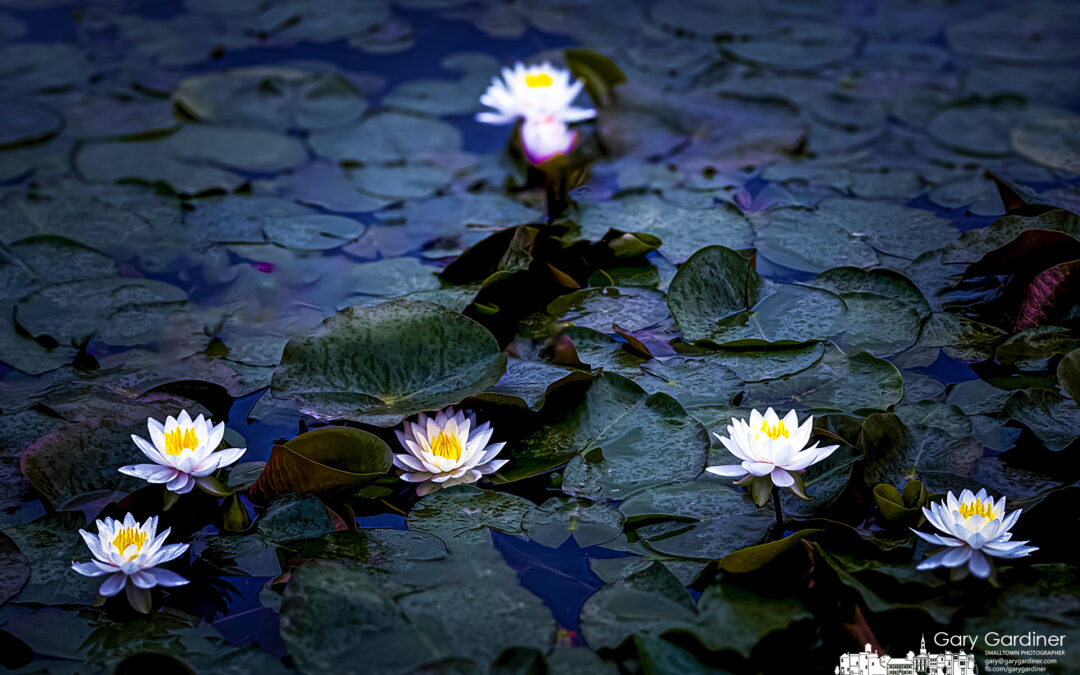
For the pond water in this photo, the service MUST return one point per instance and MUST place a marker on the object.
(864, 211)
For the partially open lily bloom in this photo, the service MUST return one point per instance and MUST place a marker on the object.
(130, 553)
(537, 92)
(772, 451)
(978, 527)
(183, 452)
(447, 449)
(543, 139)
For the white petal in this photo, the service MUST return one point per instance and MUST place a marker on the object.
(758, 468)
(89, 569)
(166, 578)
(142, 579)
(732, 470)
(152, 473)
(979, 565)
(182, 484)
(781, 478)
(113, 585)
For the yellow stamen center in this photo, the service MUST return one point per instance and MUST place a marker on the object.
(446, 445)
(538, 81)
(977, 507)
(128, 536)
(177, 441)
(775, 432)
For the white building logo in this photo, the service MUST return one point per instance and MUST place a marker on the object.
(868, 662)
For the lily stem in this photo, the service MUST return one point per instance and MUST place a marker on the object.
(779, 511)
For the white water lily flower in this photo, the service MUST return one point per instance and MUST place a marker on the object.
(545, 138)
(130, 553)
(183, 452)
(448, 449)
(978, 527)
(771, 450)
(537, 92)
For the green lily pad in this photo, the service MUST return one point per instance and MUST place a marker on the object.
(682, 231)
(49, 544)
(16, 569)
(754, 558)
(402, 636)
(383, 363)
(288, 518)
(271, 97)
(315, 232)
(235, 147)
(118, 311)
(389, 137)
(530, 383)
(599, 308)
(1050, 416)
(332, 460)
(462, 515)
(147, 162)
(558, 519)
(1018, 34)
(26, 123)
(879, 325)
(1052, 142)
(1068, 374)
(713, 284)
(712, 519)
(897, 453)
(617, 439)
(850, 232)
(838, 382)
(825, 482)
(755, 365)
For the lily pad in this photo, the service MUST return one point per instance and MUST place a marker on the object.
(389, 137)
(529, 383)
(383, 363)
(1051, 417)
(271, 97)
(400, 637)
(599, 308)
(1052, 142)
(316, 232)
(558, 519)
(332, 460)
(462, 515)
(50, 543)
(682, 231)
(16, 569)
(838, 382)
(26, 123)
(896, 453)
(118, 311)
(713, 284)
(850, 232)
(616, 439)
(714, 519)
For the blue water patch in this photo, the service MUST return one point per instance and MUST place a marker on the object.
(559, 576)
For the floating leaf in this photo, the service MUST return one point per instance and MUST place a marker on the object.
(383, 363)
(1051, 417)
(1068, 374)
(714, 519)
(837, 382)
(754, 558)
(49, 544)
(332, 460)
(557, 519)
